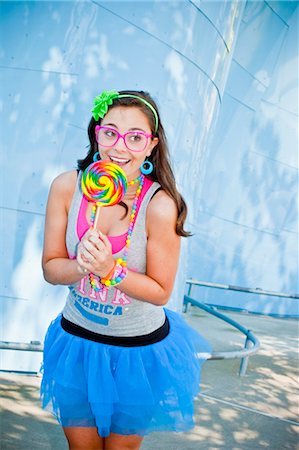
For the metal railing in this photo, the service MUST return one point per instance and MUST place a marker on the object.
(32, 346)
(251, 345)
(231, 287)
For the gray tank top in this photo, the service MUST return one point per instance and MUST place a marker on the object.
(111, 312)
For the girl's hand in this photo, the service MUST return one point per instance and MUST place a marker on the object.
(94, 253)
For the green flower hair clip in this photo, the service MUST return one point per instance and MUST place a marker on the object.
(105, 99)
(102, 102)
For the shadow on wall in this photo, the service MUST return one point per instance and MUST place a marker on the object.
(246, 223)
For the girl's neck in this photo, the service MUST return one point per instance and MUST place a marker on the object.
(133, 183)
(133, 178)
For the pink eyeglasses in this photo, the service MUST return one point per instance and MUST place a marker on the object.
(135, 141)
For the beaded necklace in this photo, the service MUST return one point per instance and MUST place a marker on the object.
(119, 270)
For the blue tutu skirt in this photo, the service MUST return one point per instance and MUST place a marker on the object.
(124, 390)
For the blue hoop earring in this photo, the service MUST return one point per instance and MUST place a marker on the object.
(96, 157)
(147, 167)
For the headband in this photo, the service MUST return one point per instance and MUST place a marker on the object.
(105, 99)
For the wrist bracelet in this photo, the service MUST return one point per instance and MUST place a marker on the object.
(93, 282)
(116, 275)
(110, 274)
(119, 274)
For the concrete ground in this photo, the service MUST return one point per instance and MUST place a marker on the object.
(257, 411)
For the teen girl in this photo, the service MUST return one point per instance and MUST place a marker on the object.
(117, 363)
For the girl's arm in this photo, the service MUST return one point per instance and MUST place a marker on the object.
(163, 250)
(57, 267)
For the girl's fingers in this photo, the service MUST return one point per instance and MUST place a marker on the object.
(89, 233)
(91, 247)
(105, 241)
(95, 253)
(96, 242)
(87, 252)
(99, 241)
(83, 263)
(86, 257)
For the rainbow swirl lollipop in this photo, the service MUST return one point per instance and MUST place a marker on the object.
(104, 183)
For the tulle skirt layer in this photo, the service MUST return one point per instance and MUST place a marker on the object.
(125, 390)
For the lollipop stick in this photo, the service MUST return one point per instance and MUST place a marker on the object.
(96, 218)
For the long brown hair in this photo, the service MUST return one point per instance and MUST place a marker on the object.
(162, 172)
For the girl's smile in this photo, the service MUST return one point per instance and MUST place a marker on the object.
(118, 160)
